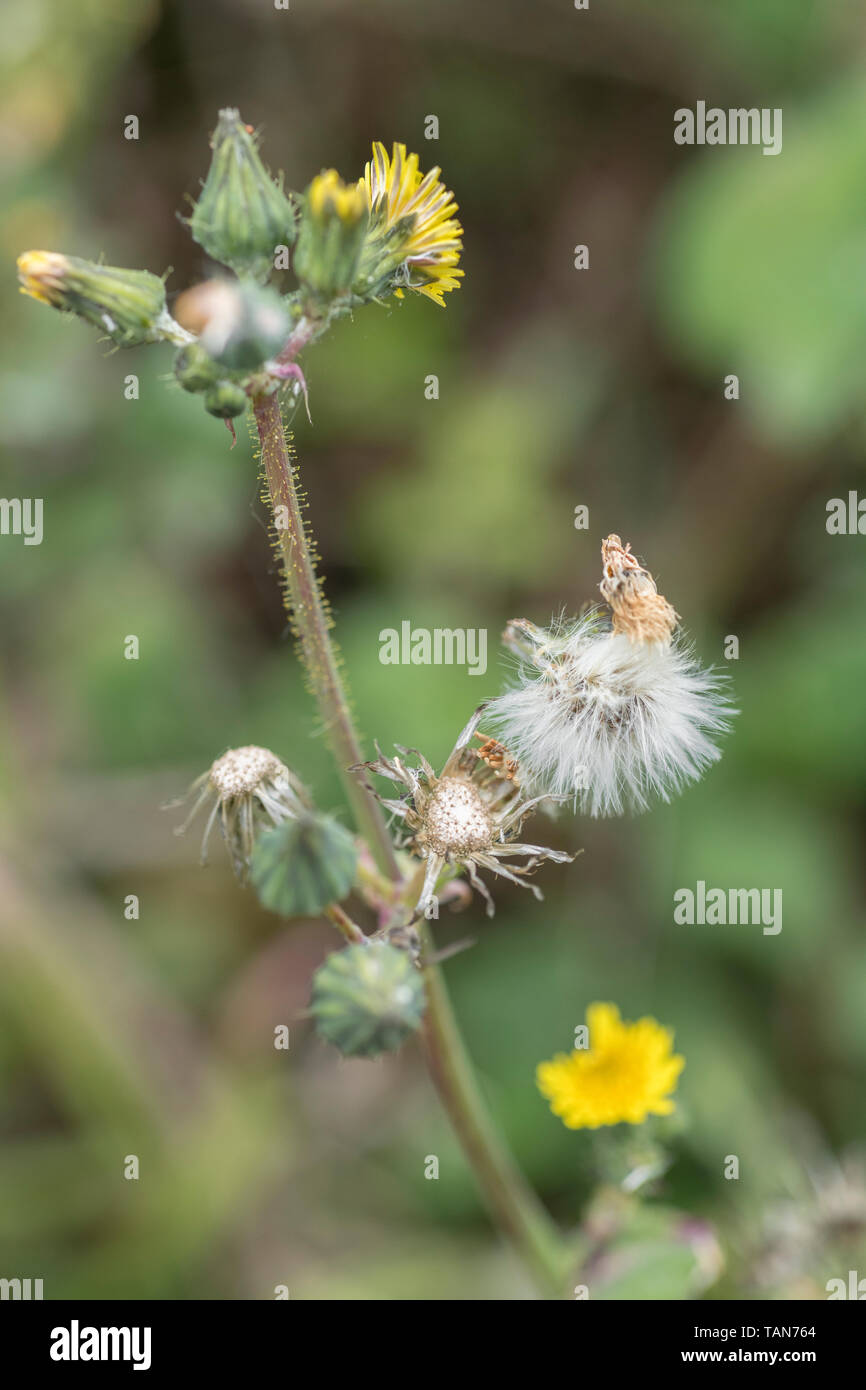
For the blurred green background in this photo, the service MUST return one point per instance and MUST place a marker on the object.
(601, 387)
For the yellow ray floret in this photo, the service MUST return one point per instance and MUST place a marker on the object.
(398, 193)
(626, 1074)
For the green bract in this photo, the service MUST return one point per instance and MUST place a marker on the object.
(225, 400)
(195, 369)
(367, 999)
(331, 236)
(128, 305)
(242, 215)
(300, 867)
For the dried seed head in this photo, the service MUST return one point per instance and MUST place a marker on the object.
(251, 790)
(241, 770)
(612, 716)
(639, 611)
(495, 755)
(456, 820)
(469, 816)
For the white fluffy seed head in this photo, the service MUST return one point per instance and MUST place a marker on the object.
(612, 722)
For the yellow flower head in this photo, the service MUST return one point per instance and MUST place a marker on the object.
(626, 1073)
(328, 196)
(414, 238)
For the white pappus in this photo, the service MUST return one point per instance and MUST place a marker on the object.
(603, 715)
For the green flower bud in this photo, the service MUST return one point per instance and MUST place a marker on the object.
(226, 400)
(239, 324)
(300, 867)
(129, 305)
(243, 215)
(367, 999)
(195, 369)
(332, 235)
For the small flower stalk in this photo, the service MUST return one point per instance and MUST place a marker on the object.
(611, 712)
(468, 817)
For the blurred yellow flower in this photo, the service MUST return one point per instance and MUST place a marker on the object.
(329, 196)
(413, 230)
(626, 1073)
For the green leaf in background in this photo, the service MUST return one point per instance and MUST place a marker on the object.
(760, 268)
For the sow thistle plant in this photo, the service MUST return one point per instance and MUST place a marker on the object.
(609, 709)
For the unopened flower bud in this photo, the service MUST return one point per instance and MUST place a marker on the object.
(195, 369)
(304, 865)
(128, 305)
(332, 235)
(225, 400)
(367, 999)
(238, 323)
(242, 214)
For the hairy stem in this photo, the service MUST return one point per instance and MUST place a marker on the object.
(312, 623)
(511, 1202)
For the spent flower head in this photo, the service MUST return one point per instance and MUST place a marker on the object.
(251, 789)
(414, 239)
(469, 815)
(612, 712)
(625, 1075)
